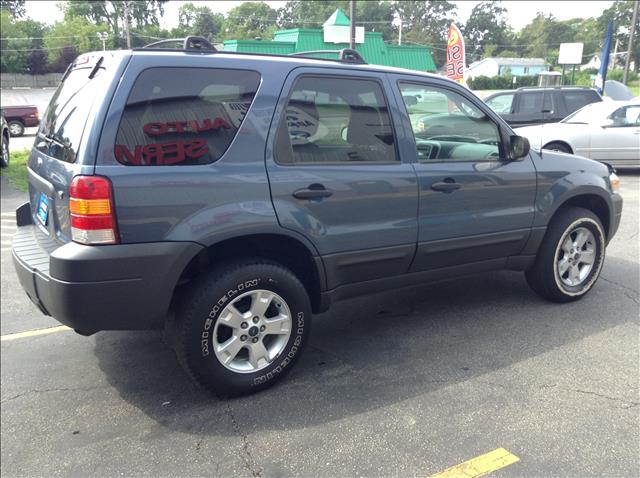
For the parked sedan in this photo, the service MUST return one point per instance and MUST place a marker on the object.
(607, 131)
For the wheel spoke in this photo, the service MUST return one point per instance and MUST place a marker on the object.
(581, 238)
(232, 317)
(260, 302)
(563, 266)
(588, 257)
(574, 275)
(278, 325)
(257, 354)
(567, 245)
(228, 350)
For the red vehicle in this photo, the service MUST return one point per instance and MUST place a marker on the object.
(21, 117)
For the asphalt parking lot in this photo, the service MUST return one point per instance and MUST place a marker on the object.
(402, 384)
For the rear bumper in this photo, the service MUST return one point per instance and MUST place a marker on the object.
(93, 288)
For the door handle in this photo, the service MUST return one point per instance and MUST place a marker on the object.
(312, 192)
(446, 186)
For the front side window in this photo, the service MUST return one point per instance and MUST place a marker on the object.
(447, 127)
(336, 120)
(501, 104)
(183, 116)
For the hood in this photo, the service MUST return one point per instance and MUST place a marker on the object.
(554, 161)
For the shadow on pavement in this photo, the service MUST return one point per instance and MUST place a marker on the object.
(373, 351)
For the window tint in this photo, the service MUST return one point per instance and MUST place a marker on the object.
(330, 120)
(577, 99)
(626, 116)
(183, 116)
(532, 102)
(501, 103)
(447, 127)
(63, 123)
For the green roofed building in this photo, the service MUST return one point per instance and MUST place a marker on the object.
(334, 35)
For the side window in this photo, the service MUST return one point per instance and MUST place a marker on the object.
(168, 121)
(626, 116)
(335, 120)
(502, 103)
(531, 103)
(577, 99)
(447, 127)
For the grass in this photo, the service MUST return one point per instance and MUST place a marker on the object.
(634, 86)
(16, 173)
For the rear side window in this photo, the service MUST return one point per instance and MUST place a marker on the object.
(336, 120)
(532, 102)
(577, 99)
(183, 116)
(63, 123)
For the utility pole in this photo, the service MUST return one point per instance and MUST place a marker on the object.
(400, 33)
(126, 23)
(352, 13)
(103, 36)
(634, 20)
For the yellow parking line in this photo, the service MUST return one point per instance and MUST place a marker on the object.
(480, 465)
(34, 333)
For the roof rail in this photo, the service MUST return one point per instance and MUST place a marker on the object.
(346, 55)
(190, 43)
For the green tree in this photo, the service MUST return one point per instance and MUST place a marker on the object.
(199, 20)
(487, 31)
(621, 12)
(18, 38)
(427, 22)
(250, 20)
(14, 7)
(74, 32)
(112, 13)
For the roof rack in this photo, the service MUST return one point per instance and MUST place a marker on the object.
(190, 43)
(346, 55)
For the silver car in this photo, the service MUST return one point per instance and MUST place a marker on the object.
(607, 131)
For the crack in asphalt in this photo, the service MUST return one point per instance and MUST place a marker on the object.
(249, 462)
(626, 404)
(623, 287)
(49, 390)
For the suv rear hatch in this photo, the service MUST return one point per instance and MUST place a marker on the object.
(65, 144)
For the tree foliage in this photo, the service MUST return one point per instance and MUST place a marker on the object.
(251, 20)
(199, 20)
(487, 31)
(14, 7)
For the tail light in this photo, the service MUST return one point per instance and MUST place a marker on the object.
(93, 216)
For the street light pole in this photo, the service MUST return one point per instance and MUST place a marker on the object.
(634, 20)
(352, 36)
(103, 36)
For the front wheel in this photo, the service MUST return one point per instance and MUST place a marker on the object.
(570, 257)
(243, 327)
(4, 161)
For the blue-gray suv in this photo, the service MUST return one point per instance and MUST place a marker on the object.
(227, 197)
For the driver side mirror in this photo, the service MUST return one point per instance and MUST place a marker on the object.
(518, 147)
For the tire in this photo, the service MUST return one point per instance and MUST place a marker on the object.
(16, 128)
(561, 147)
(4, 154)
(257, 359)
(561, 272)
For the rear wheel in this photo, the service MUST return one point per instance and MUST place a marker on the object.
(570, 257)
(4, 159)
(243, 327)
(16, 128)
(561, 147)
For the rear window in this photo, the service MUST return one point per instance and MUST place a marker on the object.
(63, 123)
(183, 116)
(531, 103)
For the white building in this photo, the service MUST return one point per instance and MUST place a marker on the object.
(497, 66)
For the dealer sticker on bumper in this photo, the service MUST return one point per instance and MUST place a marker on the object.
(43, 209)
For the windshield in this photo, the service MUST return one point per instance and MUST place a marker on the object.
(586, 114)
(63, 123)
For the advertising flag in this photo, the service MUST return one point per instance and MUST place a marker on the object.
(454, 68)
(604, 60)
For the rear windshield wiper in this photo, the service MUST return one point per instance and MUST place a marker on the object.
(50, 138)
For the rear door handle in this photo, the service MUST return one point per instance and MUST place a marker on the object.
(314, 191)
(446, 186)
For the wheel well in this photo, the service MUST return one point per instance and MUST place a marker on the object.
(593, 203)
(559, 142)
(284, 250)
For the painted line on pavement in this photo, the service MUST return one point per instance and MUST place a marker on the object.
(480, 465)
(35, 333)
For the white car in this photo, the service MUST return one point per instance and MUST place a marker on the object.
(605, 131)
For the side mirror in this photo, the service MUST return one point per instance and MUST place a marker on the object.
(410, 100)
(518, 147)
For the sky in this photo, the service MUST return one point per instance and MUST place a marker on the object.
(520, 13)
